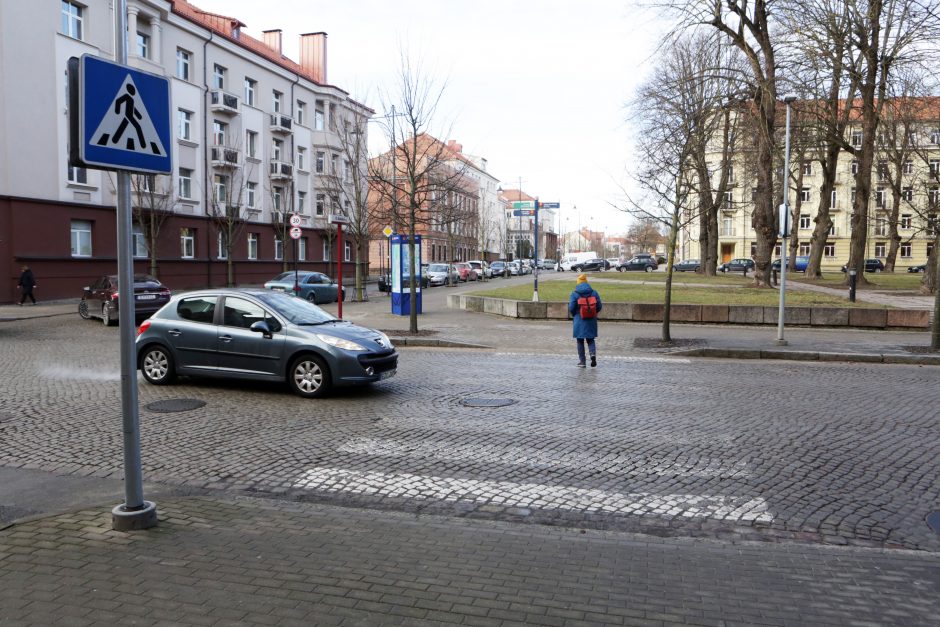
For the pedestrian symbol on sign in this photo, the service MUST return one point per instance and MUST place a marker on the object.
(128, 110)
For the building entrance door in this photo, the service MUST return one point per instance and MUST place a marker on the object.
(727, 252)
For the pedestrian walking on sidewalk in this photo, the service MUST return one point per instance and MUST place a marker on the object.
(584, 305)
(26, 285)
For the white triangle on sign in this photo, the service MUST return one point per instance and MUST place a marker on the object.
(127, 125)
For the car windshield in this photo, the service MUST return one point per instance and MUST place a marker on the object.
(437, 267)
(296, 310)
(283, 276)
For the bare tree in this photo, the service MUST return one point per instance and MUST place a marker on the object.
(156, 203)
(228, 208)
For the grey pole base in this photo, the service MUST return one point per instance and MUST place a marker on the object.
(781, 343)
(144, 518)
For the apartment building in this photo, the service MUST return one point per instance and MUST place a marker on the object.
(256, 136)
(908, 188)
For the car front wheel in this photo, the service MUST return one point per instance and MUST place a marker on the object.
(107, 314)
(649, 268)
(157, 365)
(308, 377)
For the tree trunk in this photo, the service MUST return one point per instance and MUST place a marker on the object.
(670, 261)
(794, 243)
(823, 220)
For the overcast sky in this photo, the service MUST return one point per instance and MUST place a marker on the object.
(537, 87)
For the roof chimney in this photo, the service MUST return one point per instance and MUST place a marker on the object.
(272, 39)
(313, 55)
(453, 145)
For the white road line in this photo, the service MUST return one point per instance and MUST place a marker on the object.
(622, 465)
(535, 496)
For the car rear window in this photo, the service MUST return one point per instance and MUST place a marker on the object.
(197, 308)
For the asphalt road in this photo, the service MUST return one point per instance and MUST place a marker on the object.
(833, 453)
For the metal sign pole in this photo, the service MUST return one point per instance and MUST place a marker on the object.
(135, 513)
(339, 270)
(535, 272)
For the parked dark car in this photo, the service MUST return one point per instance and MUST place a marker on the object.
(921, 268)
(689, 265)
(638, 263)
(500, 268)
(799, 265)
(737, 265)
(314, 286)
(871, 265)
(100, 299)
(385, 282)
(261, 335)
(591, 265)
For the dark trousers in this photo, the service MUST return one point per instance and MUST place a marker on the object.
(28, 292)
(592, 349)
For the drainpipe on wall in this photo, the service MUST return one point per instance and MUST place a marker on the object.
(205, 160)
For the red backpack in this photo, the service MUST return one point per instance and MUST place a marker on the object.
(588, 307)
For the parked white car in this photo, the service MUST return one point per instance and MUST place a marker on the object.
(574, 259)
(482, 268)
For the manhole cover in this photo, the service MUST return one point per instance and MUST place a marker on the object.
(487, 402)
(933, 521)
(174, 405)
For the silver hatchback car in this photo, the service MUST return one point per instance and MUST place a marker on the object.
(262, 335)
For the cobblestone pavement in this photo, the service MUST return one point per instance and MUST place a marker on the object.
(248, 562)
(669, 446)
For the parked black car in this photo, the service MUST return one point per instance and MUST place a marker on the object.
(385, 282)
(591, 265)
(100, 299)
(871, 265)
(921, 268)
(737, 265)
(689, 265)
(639, 263)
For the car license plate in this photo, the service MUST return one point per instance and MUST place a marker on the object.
(387, 374)
(146, 296)
(278, 289)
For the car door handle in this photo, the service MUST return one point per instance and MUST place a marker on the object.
(225, 338)
(174, 332)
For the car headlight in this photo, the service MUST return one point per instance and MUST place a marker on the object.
(339, 342)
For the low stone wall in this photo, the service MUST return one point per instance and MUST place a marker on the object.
(718, 314)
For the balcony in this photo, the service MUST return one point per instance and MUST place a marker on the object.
(223, 102)
(225, 157)
(280, 123)
(281, 170)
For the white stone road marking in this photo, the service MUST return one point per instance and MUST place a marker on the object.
(76, 373)
(535, 496)
(602, 358)
(626, 465)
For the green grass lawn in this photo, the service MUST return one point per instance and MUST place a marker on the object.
(560, 290)
(880, 281)
(658, 277)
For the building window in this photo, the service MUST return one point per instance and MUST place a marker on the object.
(143, 45)
(218, 132)
(346, 170)
(278, 248)
(222, 248)
(882, 170)
(933, 197)
(833, 200)
(908, 167)
(218, 77)
(906, 221)
(77, 175)
(251, 144)
(856, 138)
(187, 243)
(321, 199)
(853, 195)
(804, 249)
(276, 193)
(302, 249)
(327, 251)
(807, 168)
(881, 225)
(72, 17)
(880, 249)
(934, 167)
(276, 101)
(81, 238)
(250, 86)
(301, 158)
(804, 194)
(185, 183)
(184, 121)
(250, 190)
(301, 202)
(318, 116)
(829, 250)
(252, 245)
(301, 111)
(220, 188)
(183, 61)
(347, 250)
(140, 242)
(728, 200)
(907, 194)
(935, 136)
(804, 221)
(334, 159)
(854, 166)
(906, 250)
(276, 146)
(321, 159)
(880, 197)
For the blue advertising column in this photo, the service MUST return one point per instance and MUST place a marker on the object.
(401, 271)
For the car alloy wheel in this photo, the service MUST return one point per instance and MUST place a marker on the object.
(308, 376)
(649, 268)
(106, 312)
(83, 309)
(312, 297)
(157, 366)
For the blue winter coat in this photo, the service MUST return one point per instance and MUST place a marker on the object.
(583, 328)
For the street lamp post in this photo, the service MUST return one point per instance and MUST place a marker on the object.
(784, 225)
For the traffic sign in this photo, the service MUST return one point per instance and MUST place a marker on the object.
(523, 212)
(337, 218)
(122, 117)
(295, 232)
(296, 220)
(523, 204)
(549, 205)
(387, 231)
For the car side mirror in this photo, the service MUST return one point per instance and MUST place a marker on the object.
(261, 327)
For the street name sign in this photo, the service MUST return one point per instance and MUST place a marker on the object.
(523, 212)
(336, 218)
(523, 204)
(119, 117)
(549, 205)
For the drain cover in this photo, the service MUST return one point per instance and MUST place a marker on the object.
(933, 521)
(487, 402)
(175, 405)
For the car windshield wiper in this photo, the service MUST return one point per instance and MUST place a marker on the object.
(312, 324)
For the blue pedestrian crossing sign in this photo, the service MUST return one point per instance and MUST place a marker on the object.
(122, 120)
